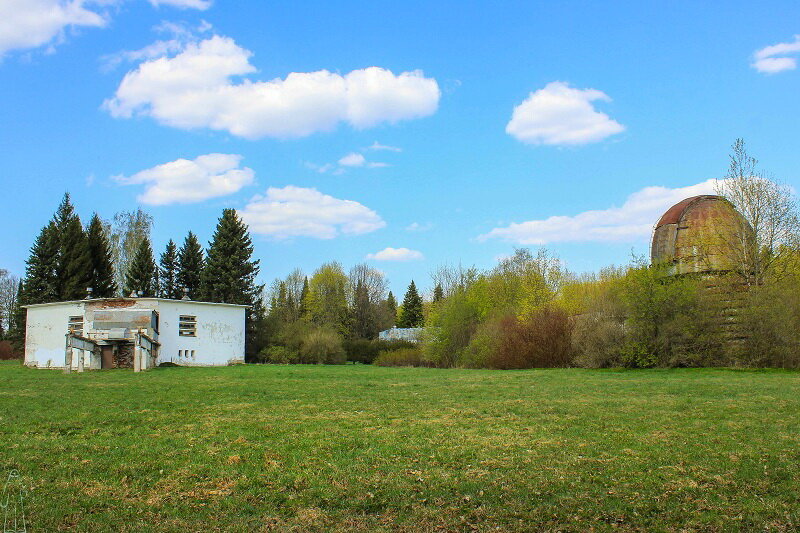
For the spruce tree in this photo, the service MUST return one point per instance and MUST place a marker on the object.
(230, 272)
(168, 272)
(391, 308)
(17, 319)
(438, 293)
(303, 304)
(41, 281)
(102, 268)
(141, 275)
(412, 316)
(190, 267)
(73, 266)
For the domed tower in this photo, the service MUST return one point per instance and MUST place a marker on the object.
(698, 235)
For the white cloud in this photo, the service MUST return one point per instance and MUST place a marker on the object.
(186, 181)
(633, 221)
(376, 146)
(396, 254)
(303, 212)
(416, 226)
(777, 57)
(353, 159)
(181, 35)
(35, 23)
(194, 89)
(183, 4)
(561, 115)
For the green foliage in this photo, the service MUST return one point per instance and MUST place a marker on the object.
(190, 267)
(41, 283)
(322, 345)
(168, 272)
(327, 298)
(73, 264)
(366, 350)
(230, 271)
(141, 277)
(412, 315)
(411, 356)
(102, 266)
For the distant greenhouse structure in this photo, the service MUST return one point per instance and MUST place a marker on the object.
(401, 334)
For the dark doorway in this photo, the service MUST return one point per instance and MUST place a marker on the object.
(106, 357)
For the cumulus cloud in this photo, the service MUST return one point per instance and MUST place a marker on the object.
(777, 57)
(195, 89)
(180, 35)
(186, 181)
(632, 221)
(183, 4)
(561, 115)
(396, 254)
(355, 159)
(34, 23)
(304, 212)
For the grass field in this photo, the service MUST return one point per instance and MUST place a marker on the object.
(319, 448)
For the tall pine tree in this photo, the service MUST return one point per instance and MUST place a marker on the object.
(190, 267)
(73, 266)
(438, 293)
(168, 272)
(391, 308)
(412, 316)
(141, 277)
(230, 272)
(102, 268)
(41, 281)
(230, 275)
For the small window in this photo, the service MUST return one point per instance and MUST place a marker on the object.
(187, 326)
(192, 354)
(75, 325)
(180, 354)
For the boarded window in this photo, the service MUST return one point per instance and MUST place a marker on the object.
(187, 326)
(75, 325)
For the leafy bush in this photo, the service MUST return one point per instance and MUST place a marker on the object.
(280, 355)
(322, 346)
(401, 357)
(7, 351)
(541, 340)
(366, 350)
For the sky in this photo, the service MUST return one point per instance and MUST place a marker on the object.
(404, 134)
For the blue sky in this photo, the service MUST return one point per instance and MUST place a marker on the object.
(383, 130)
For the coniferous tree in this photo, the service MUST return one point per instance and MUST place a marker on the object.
(391, 308)
(73, 266)
(303, 304)
(142, 272)
(412, 316)
(102, 268)
(41, 282)
(230, 272)
(438, 293)
(190, 267)
(230, 275)
(168, 272)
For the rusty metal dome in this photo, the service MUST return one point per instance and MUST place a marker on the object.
(696, 235)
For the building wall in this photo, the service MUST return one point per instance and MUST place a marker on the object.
(45, 337)
(219, 338)
(220, 334)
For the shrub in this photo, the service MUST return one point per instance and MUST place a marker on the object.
(401, 357)
(322, 346)
(7, 351)
(366, 350)
(279, 355)
(542, 340)
(597, 340)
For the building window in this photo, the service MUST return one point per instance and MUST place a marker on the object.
(192, 354)
(75, 325)
(187, 326)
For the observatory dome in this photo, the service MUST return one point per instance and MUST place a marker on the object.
(697, 235)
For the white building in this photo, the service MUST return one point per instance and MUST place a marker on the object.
(133, 332)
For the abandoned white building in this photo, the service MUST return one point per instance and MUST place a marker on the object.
(136, 333)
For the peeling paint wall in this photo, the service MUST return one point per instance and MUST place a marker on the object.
(219, 338)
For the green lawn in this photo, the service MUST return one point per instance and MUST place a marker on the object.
(319, 448)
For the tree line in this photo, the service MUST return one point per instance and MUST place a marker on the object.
(67, 259)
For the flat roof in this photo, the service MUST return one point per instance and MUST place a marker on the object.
(89, 300)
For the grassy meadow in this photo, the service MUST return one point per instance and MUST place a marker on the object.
(361, 448)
